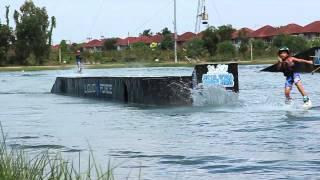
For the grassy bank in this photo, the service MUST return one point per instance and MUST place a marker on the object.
(15, 164)
(125, 65)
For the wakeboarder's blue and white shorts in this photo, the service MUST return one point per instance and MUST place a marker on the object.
(292, 80)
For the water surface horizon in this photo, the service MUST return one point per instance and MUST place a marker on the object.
(255, 137)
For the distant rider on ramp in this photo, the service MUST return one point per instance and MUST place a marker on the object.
(78, 60)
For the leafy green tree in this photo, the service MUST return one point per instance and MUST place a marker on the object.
(110, 44)
(295, 43)
(64, 46)
(314, 43)
(53, 25)
(213, 36)
(146, 32)
(224, 32)
(210, 39)
(279, 41)
(244, 38)
(165, 31)
(243, 49)
(6, 39)
(167, 42)
(7, 15)
(226, 49)
(195, 48)
(259, 47)
(33, 36)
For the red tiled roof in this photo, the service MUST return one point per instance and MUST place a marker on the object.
(143, 39)
(265, 31)
(156, 38)
(235, 34)
(186, 36)
(125, 41)
(121, 42)
(94, 43)
(289, 29)
(199, 35)
(312, 27)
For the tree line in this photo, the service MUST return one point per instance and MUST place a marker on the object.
(216, 44)
(29, 43)
(213, 44)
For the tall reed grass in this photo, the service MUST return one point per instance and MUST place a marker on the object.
(16, 164)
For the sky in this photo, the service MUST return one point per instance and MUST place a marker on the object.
(78, 20)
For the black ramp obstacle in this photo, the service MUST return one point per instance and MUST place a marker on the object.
(168, 90)
(312, 54)
(139, 90)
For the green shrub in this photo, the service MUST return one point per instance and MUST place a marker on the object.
(295, 43)
(195, 48)
(226, 50)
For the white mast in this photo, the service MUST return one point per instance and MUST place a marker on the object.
(196, 30)
(175, 33)
(202, 15)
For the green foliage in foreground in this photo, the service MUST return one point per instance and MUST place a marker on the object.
(29, 42)
(16, 165)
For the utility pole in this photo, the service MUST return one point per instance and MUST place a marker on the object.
(60, 56)
(128, 40)
(251, 50)
(175, 33)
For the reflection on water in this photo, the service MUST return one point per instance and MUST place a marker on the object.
(224, 136)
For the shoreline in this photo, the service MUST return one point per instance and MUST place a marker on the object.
(123, 65)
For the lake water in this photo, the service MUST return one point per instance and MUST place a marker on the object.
(255, 137)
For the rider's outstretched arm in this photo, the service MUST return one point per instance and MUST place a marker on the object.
(302, 60)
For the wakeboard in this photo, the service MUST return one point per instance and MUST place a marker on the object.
(316, 108)
(307, 105)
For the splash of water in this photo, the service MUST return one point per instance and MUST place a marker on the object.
(271, 104)
(213, 96)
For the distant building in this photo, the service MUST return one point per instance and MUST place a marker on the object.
(185, 37)
(93, 46)
(290, 29)
(126, 42)
(312, 30)
(236, 36)
(267, 33)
